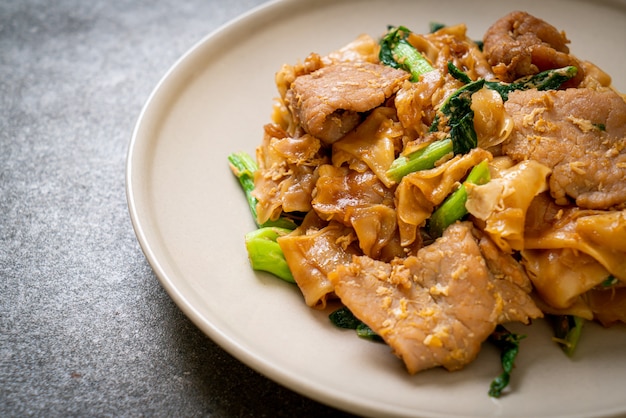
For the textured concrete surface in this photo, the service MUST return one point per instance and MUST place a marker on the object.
(85, 327)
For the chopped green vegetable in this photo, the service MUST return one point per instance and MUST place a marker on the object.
(397, 52)
(463, 134)
(609, 281)
(243, 167)
(457, 107)
(344, 318)
(567, 331)
(265, 254)
(422, 159)
(600, 126)
(453, 208)
(508, 343)
(458, 74)
(435, 26)
(365, 332)
(545, 80)
(457, 114)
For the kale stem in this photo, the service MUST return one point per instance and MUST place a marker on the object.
(453, 208)
(397, 52)
(567, 331)
(243, 167)
(412, 60)
(265, 253)
(422, 159)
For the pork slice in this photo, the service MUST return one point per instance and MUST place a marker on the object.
(581, 135)
(435, 308)
(509, 278)
(328, 102)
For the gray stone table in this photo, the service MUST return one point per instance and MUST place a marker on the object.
(85, 327)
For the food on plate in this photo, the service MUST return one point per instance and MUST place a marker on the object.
(440, 187)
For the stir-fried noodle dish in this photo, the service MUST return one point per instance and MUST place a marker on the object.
(438, 187)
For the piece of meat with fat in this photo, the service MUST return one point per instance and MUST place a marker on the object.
(328, 103)
(520, 44)
(435, 308)
(581, 135)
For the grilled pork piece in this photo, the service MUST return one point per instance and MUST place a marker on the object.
(435, 308)
(520, 44)
(581, 135)
(328, 102)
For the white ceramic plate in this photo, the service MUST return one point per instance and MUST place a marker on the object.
(190, 217)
